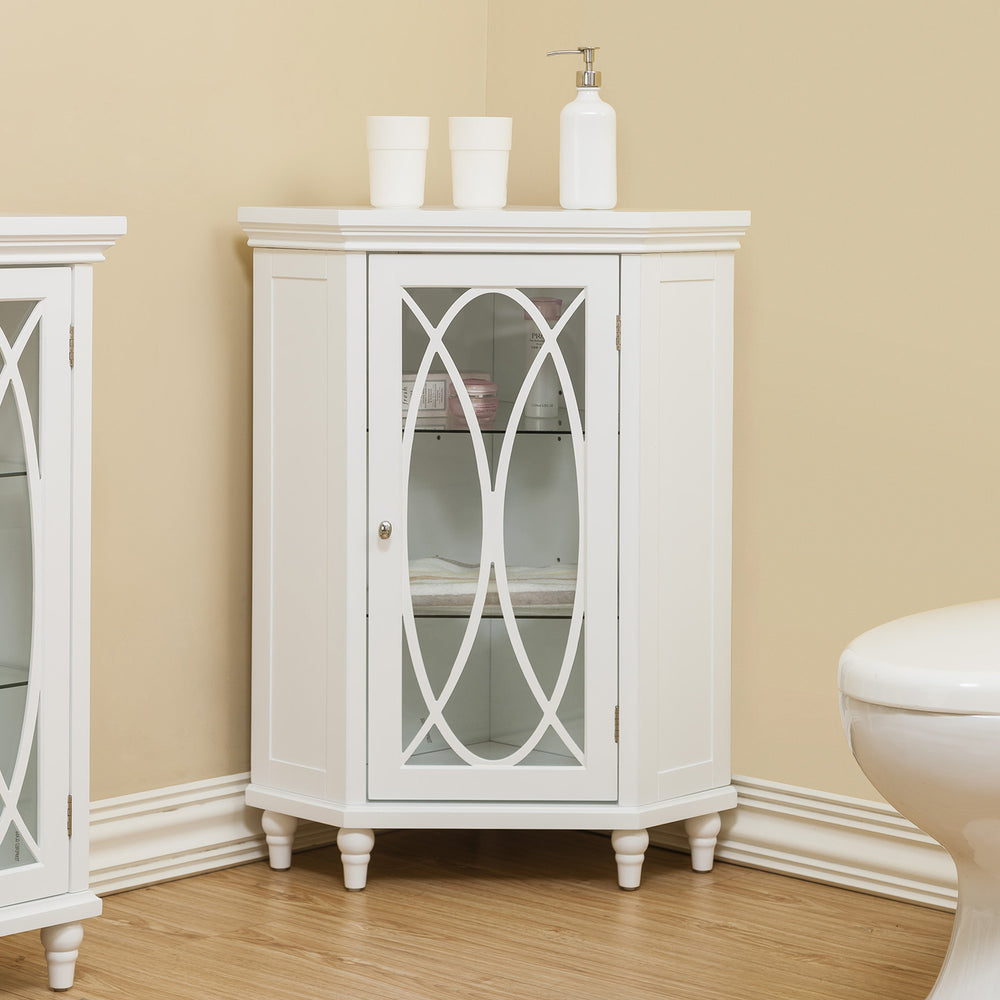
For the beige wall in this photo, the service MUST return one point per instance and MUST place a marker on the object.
(174, 115)
(861, 136)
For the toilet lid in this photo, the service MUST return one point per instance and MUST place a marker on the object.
(946, 660)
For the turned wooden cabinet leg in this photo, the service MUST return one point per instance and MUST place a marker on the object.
(279, 831)
(630, 850)
(355, 852)
(62, 946)
(703, 832)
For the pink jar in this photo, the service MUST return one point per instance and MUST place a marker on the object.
(484, 397)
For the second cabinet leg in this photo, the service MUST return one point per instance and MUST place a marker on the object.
(62, 946)
(279, 831)
(630, 851)
(355, 852)
(703, 832)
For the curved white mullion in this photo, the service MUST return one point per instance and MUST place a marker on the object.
(29, 719)
(492, 549)
(436, 705)
(27, 738)
(10, 814)
(11, 817)
(549, 706)
(10, 353)
(579, 457)
(409, 428)
(33, 477)
(486, 550)
(549, 335)
(6, 816)
(8, 808)
(418, 385)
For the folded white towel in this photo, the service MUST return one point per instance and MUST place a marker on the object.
(436, 581)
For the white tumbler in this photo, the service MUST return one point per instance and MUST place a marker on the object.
(480, 149)
(397, 160)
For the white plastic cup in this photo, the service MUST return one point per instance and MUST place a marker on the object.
(480, 150)
(397, 160)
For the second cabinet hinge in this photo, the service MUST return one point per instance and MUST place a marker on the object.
(72, 345)
(618, 333)
(616, 723)
(69, 815)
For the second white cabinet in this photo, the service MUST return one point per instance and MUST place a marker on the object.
(46, 293)
(492, 457)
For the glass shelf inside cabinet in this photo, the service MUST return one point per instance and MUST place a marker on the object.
(13, 677)
(10, 470)
(497, 379)
(451, 424)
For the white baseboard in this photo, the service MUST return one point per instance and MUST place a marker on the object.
(168, 833)
(172, 832)
(852, 843)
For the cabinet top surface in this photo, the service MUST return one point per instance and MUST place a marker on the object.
(515, 228)
(57, 239)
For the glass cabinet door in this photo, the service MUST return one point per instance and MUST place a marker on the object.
(493, 585)
(34, 481)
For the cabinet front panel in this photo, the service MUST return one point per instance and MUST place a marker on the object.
(34, 574)
(493, 508)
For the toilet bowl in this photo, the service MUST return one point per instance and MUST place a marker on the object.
(920, 702)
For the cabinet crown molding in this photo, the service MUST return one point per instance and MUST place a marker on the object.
(515, 229)
(57, 239)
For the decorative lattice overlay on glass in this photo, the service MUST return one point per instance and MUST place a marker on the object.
(478, 635)
(20, 325)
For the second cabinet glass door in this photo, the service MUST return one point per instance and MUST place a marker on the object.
(493, 585)
(34, 581)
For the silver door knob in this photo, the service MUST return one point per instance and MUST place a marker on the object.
(384, 529)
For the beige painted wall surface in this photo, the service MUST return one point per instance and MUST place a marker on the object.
(861, 136)
(174, 115)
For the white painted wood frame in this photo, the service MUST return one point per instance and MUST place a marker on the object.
(48, 261)
(313, 576)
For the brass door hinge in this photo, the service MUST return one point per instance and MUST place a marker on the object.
(618, 333)
(72, 345)
(69, 815)
(616, 723)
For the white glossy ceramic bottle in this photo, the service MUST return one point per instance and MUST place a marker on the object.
(588, 169)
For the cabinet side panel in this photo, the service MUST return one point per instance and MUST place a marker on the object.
(290, 520)
(685, 490)
(80, 613)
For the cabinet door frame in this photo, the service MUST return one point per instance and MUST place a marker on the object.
(389, 777)
(49, 676)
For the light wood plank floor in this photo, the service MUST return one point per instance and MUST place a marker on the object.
(500, 914)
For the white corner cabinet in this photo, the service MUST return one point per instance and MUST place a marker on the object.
(491, 529)
(46, 266)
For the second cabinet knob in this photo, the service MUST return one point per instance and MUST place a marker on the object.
(384, 529)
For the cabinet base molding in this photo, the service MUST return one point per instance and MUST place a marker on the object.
(491, 815)
(67, 908)
(853, 843)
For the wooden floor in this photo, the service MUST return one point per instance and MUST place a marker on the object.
(509, 914)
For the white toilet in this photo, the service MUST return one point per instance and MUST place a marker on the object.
(920, 701)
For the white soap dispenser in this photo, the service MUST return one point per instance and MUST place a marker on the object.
(588, 169)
